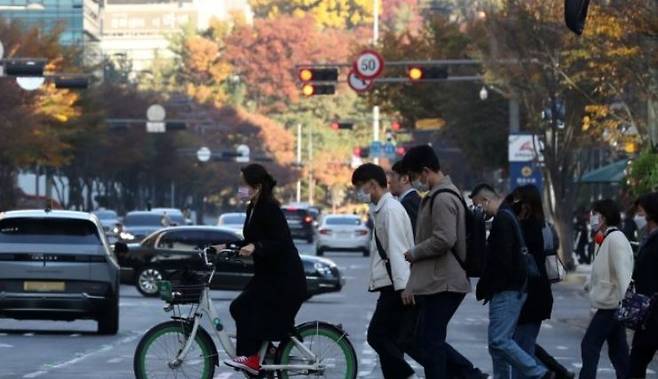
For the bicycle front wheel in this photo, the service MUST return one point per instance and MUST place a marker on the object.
(334, 352)
(156, 353)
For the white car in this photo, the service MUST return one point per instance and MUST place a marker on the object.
(233, 221)
(343, 233)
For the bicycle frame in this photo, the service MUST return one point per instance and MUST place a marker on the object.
(206, 307)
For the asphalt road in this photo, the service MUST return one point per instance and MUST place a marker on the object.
(60, 350)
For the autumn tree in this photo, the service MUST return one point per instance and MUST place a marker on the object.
(334, 14)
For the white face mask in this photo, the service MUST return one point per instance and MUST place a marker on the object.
(245, 193)
(640, 221)
(363, 197)
(420, 186)
(595, 222)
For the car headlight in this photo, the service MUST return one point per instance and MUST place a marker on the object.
(323, 269)
(126, 236)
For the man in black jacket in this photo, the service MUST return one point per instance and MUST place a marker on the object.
(399, 184)
(502, 284)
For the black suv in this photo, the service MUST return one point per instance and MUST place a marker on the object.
(301, 221)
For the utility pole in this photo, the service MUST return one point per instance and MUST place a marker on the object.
(299, 161)
(375, 41)
(311, 184)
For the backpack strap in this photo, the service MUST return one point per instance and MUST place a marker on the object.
(462, 264)
(383, 256)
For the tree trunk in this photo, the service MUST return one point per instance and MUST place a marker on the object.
(8, 194)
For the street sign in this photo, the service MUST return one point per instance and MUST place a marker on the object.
(156, 112)
(203, 154)
(369, 64)
(389, 149)
(156, 127)
(357, 83)
(525, 148)
(430, 123)
(524, 173)
(243, 154)
(375, 148)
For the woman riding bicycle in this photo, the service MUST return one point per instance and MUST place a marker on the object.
(266, 308)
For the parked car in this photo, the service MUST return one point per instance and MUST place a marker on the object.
(233, 221)
(167, 252)
(300, 221)
(343, 233)
(57, 265)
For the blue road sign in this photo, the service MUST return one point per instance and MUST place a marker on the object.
(375, 148)
(522, 173)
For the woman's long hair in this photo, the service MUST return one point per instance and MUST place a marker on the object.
(529, 198)
(257, 176)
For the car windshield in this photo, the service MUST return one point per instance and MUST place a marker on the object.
(106, 215)
(233, 219)
(343, 221)
(143, 220)
(49, 231)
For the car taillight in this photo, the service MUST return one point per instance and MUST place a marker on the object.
(325, 232)
(361, 232)
(308, 219)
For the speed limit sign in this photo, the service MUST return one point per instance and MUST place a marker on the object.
(369, 64)
(357, 83)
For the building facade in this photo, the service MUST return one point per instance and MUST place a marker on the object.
(80, 19)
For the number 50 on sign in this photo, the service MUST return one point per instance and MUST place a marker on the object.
(369, 64)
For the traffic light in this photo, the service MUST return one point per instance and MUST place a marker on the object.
(342, 125)
(24, 68)
(308, 74)
(400, 151)
(356, 152)
(364, 152)
(318, 89)
(418, 73)
(395, 126)
(71, 82)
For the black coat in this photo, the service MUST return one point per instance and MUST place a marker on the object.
(645, 274)
(539, 304)
(411, 204)
(266, 308)
(504, 269)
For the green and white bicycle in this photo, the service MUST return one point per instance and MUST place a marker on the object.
(182, 348)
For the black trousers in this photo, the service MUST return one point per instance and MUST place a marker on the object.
(645, 345)
(437, 310)
(551, 363)
(604, 328)
(383, 333)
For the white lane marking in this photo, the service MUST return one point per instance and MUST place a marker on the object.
(28, 334)
(562, 347)
(3, 334)
(82, 356)
(225, 375)
(5, 345)
(114, 360)
(75, 335)
(35, 374)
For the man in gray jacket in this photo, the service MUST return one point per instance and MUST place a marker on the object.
(437, 279)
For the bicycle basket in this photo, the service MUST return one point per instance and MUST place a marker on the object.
(180, 293)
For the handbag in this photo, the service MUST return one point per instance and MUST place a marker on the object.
(555, 271)
(634, 309)
(532, 270)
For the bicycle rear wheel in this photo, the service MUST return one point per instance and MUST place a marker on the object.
(330, 345)
(161, 344)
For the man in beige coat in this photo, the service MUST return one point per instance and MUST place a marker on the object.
(438, 282)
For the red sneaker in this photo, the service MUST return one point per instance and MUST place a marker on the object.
(249, 364)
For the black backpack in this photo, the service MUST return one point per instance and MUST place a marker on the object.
(476, 238)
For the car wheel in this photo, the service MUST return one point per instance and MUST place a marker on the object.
(366, 252)
(146, 281)
(319, 252)
(108, 323)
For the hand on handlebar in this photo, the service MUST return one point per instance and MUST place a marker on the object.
(247, 250)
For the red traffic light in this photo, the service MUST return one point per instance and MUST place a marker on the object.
(395, 126)
(356, 152)
(401, 151)
(335, 126)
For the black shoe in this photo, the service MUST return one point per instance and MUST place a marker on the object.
(549, 375)
(566, 375)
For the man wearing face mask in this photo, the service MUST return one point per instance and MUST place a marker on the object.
(438, 281)
(388, 270)
(503, 285)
